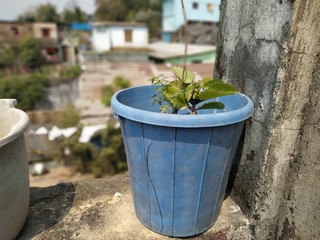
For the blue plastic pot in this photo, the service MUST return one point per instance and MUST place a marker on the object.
(178, 164)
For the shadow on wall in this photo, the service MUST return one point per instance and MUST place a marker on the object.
(55, 203)
(236, 163)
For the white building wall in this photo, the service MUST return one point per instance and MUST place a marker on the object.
(101, 39)
(105, 38)
(117, 36)
(140, 37)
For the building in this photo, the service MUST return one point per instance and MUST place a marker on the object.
(198, 12)
(47, 35)
(83, 31)
(59, 42)
(14, 33)
(108, 36)
(69, 43)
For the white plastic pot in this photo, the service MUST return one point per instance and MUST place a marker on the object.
(14, 171)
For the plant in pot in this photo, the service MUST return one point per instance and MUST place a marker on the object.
(179, 163)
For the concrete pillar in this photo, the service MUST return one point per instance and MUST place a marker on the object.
(271, 51)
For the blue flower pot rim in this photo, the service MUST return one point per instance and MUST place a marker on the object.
(178, 120)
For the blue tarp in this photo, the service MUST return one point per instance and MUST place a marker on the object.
(81, 26)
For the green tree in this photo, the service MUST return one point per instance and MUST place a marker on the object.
(7, 57)
(153, 19)
(108, 90)
(137, 5)
(80, 156)
(112, 158)
(30, 53)
(134, 7)
(47, 13)
(84, 154)
(28, 90)
(86, 158)
(69, 117)
(74, 14)
(155, 5)
(110, 10)
(42, 13)
(72, 71)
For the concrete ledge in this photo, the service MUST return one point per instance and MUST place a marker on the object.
(90, 210)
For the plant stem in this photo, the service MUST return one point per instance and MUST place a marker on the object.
(185, 40)
(193, 109)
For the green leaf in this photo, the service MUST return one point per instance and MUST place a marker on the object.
(188, 92)
(208, 82)
(217, 89)
(189, 77)
(197, 90)
(177, 71)
(179, 102)
(175, 95)
(165, 109)
(212, 105)
(172, 89)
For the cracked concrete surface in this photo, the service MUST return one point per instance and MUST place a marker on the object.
(102, 209)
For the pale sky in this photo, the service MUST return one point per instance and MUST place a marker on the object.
(11, 9)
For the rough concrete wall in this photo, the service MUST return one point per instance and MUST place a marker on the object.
(297, 123)
(270, 50)
(59, 95)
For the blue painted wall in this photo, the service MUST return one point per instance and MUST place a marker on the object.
(197, 11)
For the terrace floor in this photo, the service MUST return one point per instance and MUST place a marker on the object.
(91, 209)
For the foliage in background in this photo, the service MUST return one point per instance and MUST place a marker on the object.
(87, 158)
(7, 57)
(43, 13)
(58, 73)
(30, 53)
(152, 19)
(113, 10)
(74, 14)
(27, 89)
(80, 156)
(108, 90)
(148, 12)
(72, 71)
(112, 158)
(47, 13)
(69, 117)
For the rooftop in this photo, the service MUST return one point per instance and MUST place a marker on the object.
(162, 50)
(119, 24)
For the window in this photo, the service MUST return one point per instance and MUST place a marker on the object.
(128, 35)
(45, 32)
(210, 7)
(15, 30)
(195, 5)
